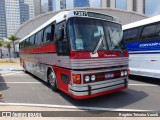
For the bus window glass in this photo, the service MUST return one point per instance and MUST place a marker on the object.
(149, 31)
(114, 35)
(26, 42)
(38, 38)
(130, 34)
(48, 34)
(60, 39)
(158, 30)
(85, 34)
(58, 31)
(22, 44)
(32, 40)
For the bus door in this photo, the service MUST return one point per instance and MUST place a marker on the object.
(62, 48)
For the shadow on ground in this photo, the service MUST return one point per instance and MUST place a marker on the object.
(145, 79)
(3, 85)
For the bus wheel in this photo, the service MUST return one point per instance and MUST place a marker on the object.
(52, 80)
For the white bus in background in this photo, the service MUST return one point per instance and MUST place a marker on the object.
(142, 39)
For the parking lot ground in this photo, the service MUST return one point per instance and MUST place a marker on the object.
(19, 87)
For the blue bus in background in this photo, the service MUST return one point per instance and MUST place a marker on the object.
(142, 40)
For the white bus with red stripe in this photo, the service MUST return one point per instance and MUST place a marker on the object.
(78, 52)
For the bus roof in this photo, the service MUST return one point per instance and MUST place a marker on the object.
(61, 16)
(142, 22)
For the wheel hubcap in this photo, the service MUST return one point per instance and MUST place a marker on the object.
(51, 78)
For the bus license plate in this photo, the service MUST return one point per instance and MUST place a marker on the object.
(109, 75)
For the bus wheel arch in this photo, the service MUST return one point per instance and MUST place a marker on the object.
(52, 79)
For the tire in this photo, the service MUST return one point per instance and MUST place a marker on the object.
(52, 80)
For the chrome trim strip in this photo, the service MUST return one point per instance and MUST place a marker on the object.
(108, 88)
(66, 62)
(96, 91)
(78, 93)
(102, 82)
(108, 84)
(97, 71)
(97, 85)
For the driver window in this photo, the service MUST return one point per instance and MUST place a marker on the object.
(61, 40)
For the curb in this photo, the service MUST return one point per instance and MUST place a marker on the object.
(11, 69)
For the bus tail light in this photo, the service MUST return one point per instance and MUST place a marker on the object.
(76, 78)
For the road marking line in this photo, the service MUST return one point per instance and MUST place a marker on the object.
(149, 85)
(20, 82)
(70, 107)
(10, 74)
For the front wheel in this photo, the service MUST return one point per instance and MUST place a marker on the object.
(52, 80)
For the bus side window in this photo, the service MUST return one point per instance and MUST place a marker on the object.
(158, 30)
(32, 40)
(61, 40)
(38, 38)
(131, 34)
(48, 34)
(149, 31)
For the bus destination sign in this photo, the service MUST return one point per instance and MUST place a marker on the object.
(80, 13)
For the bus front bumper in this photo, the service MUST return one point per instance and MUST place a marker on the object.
(95, 89)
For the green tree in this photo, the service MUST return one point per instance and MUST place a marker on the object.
(1, 44)
(8, 45)
(13, 39)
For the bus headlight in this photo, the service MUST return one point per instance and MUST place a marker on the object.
(93, 77)
(125, 73)
(122, 73)
(87, 78)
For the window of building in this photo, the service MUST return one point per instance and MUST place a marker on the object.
(121, 4)
(151, 7)
(149, 31)
(135, 5)
(108, 3)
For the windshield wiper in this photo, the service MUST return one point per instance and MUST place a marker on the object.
(98, 45)
(114, 44)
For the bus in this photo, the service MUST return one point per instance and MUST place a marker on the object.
(142, 41)
(79, 53)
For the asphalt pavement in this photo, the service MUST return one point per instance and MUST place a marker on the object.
(22, 88)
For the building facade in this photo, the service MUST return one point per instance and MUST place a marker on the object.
(19, 11)
(44, 8)
(148, 7)
(3, 30)
(24, 11)
(13, 20)
(55, 5)
(81, 3)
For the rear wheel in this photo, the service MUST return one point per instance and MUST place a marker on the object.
(52, 80)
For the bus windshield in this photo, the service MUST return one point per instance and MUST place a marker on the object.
(85, 34)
